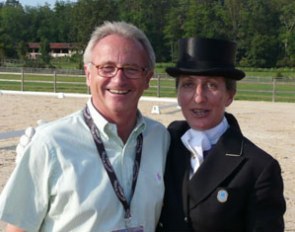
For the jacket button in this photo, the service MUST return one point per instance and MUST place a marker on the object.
(185, 219)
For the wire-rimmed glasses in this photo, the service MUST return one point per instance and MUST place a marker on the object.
(130, 71)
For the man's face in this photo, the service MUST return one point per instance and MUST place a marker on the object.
(203, 100)
(117, 94)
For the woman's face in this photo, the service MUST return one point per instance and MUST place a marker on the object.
(203, 100)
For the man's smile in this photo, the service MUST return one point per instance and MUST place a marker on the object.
(121, 92)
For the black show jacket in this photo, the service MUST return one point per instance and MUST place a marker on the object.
(238, 187)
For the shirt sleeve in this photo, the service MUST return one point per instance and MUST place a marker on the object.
(25, 198)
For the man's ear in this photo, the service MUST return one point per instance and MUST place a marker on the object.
(87, 74)
(148, 77)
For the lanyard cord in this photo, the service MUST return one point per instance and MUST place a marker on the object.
(108, 166)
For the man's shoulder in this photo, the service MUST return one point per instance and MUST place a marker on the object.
(154, 123)
(63, 123)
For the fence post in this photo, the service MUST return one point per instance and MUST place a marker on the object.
(273, 89)
(22, 79)
(54, 81)
(158, 85)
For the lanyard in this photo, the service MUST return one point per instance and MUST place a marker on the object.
(108, 166)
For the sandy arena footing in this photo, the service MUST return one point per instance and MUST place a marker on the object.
(269, 125)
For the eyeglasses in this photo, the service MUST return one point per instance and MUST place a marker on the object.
(130, 71)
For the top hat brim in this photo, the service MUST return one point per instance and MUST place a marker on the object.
(230, 73)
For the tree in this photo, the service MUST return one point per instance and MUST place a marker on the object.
(22, 49)
(264, 30)
(11, 28)
(46, 24)
(87, 14)
(208, 19)
(234, 11)
(148, 15)
(45, 51)
(155, 26)
(259, 34)
(63, 20)
(12, 3)
(287, 33)
(174, 26)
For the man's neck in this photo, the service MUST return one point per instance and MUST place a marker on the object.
(125, 131)
(125, 123)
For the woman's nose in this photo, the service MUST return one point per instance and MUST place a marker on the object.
(200, 94)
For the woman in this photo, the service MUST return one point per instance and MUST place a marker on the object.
(216, 179)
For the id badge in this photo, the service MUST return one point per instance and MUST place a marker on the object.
(132, 229)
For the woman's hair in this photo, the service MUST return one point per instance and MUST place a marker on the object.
(231, 85)
(124, 29)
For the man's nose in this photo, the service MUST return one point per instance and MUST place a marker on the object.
(120, 75)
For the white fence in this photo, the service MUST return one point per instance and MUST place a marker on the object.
(161, 85)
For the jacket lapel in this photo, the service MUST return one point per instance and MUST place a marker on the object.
(222, 160)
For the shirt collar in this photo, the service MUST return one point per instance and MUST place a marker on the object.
(198, 141)
(106, 127)
(215, 133)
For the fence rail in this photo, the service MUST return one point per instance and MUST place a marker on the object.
(161, 85)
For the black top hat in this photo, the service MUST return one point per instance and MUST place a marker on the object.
(209, 57)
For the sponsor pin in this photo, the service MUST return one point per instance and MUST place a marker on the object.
(222, 195)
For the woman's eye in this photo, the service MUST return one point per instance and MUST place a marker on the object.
(187, 85)
(211, 86)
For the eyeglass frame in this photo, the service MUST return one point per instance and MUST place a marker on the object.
(123, 68)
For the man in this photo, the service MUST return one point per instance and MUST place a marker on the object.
(91, 170)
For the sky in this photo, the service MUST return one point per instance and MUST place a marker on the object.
(40, 2)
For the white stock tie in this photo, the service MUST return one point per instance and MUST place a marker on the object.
(196, 142)
(199, 141)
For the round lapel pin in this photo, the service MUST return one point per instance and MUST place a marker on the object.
(222, 195)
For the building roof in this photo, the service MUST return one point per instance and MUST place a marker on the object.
(53, 45)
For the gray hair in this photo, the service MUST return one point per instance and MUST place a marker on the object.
(124, 29)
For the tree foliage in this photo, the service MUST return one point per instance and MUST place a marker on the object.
(263, 29)
(45, 49)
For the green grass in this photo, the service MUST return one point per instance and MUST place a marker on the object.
(271, 73)
(43, 83)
